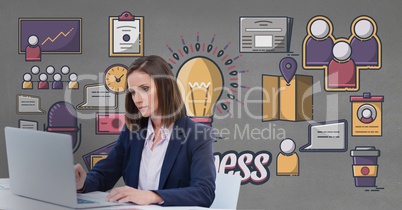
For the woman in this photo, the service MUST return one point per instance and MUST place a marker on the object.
(163, 156)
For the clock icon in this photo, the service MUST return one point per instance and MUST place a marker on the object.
(115, 78)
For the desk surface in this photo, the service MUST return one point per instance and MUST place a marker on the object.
(10, 201)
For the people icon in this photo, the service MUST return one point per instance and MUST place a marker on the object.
(365, 43)
(33, 51)
(342, 69)
(57, 83)
(45, 78)
(27, 84)
(287, 161)
(43, 83)
(73, 84)
(318, 43)
(362, 50)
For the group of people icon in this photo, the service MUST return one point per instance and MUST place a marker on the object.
(342, 58)
(57, 82)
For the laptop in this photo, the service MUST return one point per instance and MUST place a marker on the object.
(41, 167)
(330, 136)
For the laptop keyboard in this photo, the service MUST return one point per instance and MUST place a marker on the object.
(83, 201)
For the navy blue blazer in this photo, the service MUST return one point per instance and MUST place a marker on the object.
(188, 172)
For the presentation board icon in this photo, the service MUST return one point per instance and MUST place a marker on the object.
(109, 123)
(330, 136)
(29, 104)
(126, 35)
(367, 115)
(265, 34)
(52, 35)
(96, 97)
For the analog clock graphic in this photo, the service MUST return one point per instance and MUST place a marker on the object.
(115, 78)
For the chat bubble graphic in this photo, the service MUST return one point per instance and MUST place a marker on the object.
(28, 124)
(28, 104)
(96, 97)
(330, 136)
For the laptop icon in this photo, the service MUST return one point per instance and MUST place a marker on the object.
(330, 136)
(41, 167)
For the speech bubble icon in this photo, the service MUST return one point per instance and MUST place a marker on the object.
(28, 104)
(96, 97)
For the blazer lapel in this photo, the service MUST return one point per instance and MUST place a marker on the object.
(173, 149)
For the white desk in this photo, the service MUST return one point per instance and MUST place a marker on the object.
(9, 201)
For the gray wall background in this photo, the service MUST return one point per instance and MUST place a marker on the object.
(325, 180)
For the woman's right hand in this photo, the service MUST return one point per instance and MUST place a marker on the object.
(80, 176)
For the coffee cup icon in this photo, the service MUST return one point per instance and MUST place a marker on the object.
(365, 167)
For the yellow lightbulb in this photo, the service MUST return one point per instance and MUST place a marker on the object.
(200, 81)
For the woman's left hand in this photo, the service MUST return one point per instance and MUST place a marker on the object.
(129, 194)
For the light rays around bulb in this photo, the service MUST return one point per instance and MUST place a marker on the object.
(223, 60)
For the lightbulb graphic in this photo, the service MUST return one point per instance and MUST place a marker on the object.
(200, 81)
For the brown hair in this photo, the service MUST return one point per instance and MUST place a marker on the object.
(170, 103)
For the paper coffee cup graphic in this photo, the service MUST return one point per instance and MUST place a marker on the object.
(365, 167)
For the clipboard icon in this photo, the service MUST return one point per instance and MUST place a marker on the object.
(126, 35)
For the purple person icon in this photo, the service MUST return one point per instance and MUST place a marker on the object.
(57, 83)
(317, 46)
(365, 43)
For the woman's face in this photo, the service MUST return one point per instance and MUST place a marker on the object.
(143, 92)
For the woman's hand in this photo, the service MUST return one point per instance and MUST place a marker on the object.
(80, 176)
(129, 194)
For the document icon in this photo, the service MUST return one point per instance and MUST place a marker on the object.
(265, 34)
(126, 37)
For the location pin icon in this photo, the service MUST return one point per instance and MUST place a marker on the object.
(288, 67)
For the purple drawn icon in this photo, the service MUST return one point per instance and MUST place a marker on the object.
(58, 35)
(103, 151)
(288, 67)
(62, 118)
(365, 167)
